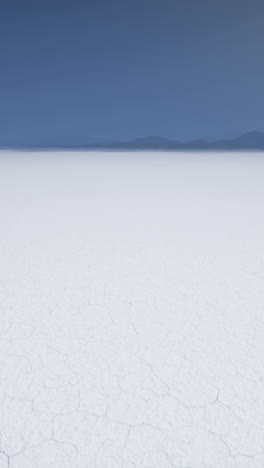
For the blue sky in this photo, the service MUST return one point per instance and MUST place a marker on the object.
(74, 71)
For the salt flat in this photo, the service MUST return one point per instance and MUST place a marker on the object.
(132, 310)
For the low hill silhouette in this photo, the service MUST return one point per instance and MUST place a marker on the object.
(253, 140)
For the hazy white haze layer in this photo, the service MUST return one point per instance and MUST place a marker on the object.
(132, 310)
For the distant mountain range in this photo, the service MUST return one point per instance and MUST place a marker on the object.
(247, 141)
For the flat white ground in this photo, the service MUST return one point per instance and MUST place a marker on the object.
(132, 310)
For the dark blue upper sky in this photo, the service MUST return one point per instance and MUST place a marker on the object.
(111, 69)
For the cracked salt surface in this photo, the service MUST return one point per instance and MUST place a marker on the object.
(131, 301)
